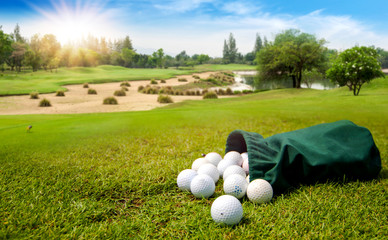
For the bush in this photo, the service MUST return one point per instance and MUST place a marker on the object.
(34, 95)
(221, 91)
(237, 92)
(86, 85)
(210, 95)
(165, 99)
(162, 81)
(198, 93)
(44, 103)
(92, 91)
(247, 91)
(182, 80)
(204, 91)
(229, 91)
(119, 93)
(140, 88)
(196, 77)
(124, 89)
(110, 100)
(125, 84)
(60, 93)
(153, 81)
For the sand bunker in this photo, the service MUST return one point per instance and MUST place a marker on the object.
(77, 100)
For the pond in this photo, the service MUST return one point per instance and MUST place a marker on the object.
(245, 81)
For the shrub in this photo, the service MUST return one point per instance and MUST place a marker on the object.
(204, 91)
(221, 91)
(162, 81)
(44, 103)
(34, 95)
(196, 77)
(153, 81)
(92, 91)
(124, 89)
(210, 95)
(119, 93)
(140, 88)
(247, 91)
(60, 93)
(110, 100)
(165, 99)
(229, 91)
(86, 85)
(182, 80)
(198, 93)
(237, 92)
(126, 84)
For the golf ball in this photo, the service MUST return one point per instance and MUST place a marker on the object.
(202, 185)
(234, 169)
(244, 155)
(184, 179)
(198, 163)
(227, 209)
(224, 164)
(245, 165)
(210, 170)
(247, 178)
(234, 156)
(259, 191)
(213, 158)
(235, 185)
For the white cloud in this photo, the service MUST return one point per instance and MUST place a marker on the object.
(181, 5)
(240, 8)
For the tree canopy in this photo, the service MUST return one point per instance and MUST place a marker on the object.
(291, 53)
(354, 67)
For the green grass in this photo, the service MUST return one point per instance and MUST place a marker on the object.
(12, 83)
(113, 175)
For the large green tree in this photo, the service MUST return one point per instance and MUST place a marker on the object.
(354, 67)
(5, 47)
(230, 50)
(291, 53)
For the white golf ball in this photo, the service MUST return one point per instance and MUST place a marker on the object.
(235, 185)
(247, 178)
(234, 169)
(234, 156)
(224, 164)
(259, 191)
(202, 186)
(211, 170)
(227, 209)
(184, 179)
(244, 155)
(198, 163)
(213, 158)
(245, 165)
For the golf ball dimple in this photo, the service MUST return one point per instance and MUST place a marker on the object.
(211, 170)
(235, 185)
(245, 166)
(234, 169)
(259, 191)
(213, 158)
(198, 163)
(234, 156)
(202, 185)
(227, 209)
(223, 165)
(184, 179)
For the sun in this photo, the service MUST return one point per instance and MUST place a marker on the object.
(72, 23)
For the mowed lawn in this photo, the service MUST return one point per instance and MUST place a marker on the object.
(113, 176)
(12, 83)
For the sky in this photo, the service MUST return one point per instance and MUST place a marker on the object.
(200, 26)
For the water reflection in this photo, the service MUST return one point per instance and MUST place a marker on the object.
(245, 81)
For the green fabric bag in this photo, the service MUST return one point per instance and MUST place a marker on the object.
(309, 155)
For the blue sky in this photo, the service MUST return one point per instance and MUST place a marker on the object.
(200, 26)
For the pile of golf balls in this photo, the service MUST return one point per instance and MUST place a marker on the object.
(204, 174)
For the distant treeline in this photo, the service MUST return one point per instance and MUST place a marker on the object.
(45, 52)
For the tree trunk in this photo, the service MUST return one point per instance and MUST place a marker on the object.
(293, 81)
(298, 80)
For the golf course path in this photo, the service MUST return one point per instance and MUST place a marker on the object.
(77, 100)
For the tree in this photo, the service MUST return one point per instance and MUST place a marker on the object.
(383, 58)
(230, 50)
(5, 47)
(158, 56)
(290, 55)
(16, 36)
(203, 58)
(258, 44)
(127, 55)
(48, 49)
(354, 67)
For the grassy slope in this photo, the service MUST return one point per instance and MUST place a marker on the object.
(44, 82)
(114, 175)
